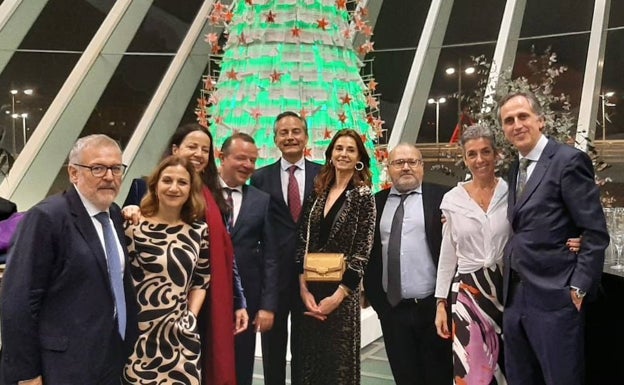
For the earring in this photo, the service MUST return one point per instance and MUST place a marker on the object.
(359, 166)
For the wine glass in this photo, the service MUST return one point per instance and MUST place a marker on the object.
(610, 213)
(618, 242)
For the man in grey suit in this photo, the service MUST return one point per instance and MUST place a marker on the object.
(65, 318)
(553, 197)
(254, 246)
(289, 181)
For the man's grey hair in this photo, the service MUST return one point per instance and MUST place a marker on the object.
(96, 140)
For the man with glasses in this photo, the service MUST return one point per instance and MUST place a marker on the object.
(401, 274)
(69, 312)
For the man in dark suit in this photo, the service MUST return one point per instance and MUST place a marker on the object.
(552, 197)
(62, 315)
(290, 134)
(254, 246)
(417, 355)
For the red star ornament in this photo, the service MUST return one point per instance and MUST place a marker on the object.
(232, 75)
(346, 33)
(212, 38)
(215, 49)
(218, 119)
(276, 76)
(218, 7)
(346, 99)
(342, 117)
(202, 103)
(364, 138)
(256, 114)
(228, 16)
(209, 83)
(307, 152)
(372, 102)
(341, 4)
(363, 11)
(270, 17)
(303, 113)
(322, 24)
(296, 32)
(327, 134)
(249, 2)
(386, 185)
(372, 85)
(381, 154)
(366, 48)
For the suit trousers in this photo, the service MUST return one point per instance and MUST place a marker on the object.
(417, 355)
(245, 353)
(275, 341)
(542, 346)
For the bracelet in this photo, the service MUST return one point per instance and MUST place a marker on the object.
(440, 300)
(344, 289)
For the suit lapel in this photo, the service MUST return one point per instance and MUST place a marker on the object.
(84, 226)
(246, 205)
(309, 178)
(275, 181)
(538, 173)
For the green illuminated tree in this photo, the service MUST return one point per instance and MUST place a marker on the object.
(293, 55)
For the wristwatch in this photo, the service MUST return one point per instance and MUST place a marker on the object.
(579, 293)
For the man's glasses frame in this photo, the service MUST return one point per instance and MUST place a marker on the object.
(99, 170)
(400, 163)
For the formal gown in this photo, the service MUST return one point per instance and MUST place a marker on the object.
(328, 352)
(166, 263)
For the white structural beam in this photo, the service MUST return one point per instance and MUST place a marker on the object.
(170, 100)
(16, 18)
(45, 153)
(506, 44)
(592, 80)
(412, 106)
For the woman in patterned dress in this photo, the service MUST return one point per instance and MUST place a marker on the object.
(169, 262)
(325, 335)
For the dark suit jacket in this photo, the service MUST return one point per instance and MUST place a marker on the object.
(57, 304)
(432, 197)
(268, 179)
(560, 200)
(255, 251)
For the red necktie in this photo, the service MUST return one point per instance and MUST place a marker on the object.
(229, 220)
(294, 200)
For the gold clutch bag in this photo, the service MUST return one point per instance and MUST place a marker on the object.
(323, 267)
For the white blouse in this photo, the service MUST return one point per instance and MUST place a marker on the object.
(471, 238)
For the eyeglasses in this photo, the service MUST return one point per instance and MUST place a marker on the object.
(99, 170)
(399, 163)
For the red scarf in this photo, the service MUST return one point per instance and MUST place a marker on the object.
(216, 318)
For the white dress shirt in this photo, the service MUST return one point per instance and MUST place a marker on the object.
(299, 175)
(471, 238)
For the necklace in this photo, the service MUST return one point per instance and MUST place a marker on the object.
(482, 196)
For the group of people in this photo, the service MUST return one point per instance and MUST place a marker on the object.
(205, 260)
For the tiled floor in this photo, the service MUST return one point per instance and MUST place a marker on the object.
(375, 367)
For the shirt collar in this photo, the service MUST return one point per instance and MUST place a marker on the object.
(90, 207)
(536, 152)
(394, 191)
(285, 165)
(224, 186)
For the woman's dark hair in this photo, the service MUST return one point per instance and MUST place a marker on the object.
(194, 207)
(209, 176)
(327, 175)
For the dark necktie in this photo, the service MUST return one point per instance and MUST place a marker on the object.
(522, 176)
(230, 215)
(294, 200)
(115, 271)
(394, 254)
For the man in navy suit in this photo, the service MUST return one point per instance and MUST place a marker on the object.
(60, 319)
(290, 134)
(254, 246)
(545, 284)
(417, 355)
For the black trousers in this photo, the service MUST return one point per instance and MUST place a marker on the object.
(417, 355)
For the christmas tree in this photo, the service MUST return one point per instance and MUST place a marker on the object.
(297, 55)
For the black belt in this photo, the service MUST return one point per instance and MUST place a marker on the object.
(412, 301)
(514, 277)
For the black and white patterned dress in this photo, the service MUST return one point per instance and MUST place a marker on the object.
(166, 263)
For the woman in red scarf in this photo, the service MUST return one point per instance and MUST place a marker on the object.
(217, 326)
